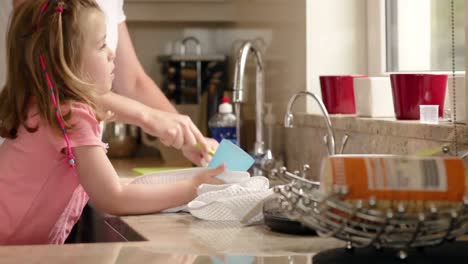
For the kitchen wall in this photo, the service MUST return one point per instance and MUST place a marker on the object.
(336, 41)
(4, 16)
(366, 136)
(280, 24)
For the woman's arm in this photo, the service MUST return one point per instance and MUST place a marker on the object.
(172, 129)
(100, 180)
(131, 79)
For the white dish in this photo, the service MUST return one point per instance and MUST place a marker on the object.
(170, 176)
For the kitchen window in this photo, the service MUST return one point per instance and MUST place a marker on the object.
(419, 35)
(415, 36)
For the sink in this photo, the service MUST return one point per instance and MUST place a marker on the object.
(278, 222)
(95, 227)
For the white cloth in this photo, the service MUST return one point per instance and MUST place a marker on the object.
(241, 202)
(113, 9)
(240, 199)
(162, 177)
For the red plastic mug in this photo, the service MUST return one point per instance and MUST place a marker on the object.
(410, 90)
(338, 93)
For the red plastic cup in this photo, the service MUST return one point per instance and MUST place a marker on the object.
(410, 90)
(338, 93)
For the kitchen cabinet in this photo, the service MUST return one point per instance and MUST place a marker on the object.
(268, 11)
(180, 10)
(219, 11)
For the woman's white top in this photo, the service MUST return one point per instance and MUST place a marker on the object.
(113, 9)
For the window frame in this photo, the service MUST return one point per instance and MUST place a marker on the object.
(377, 36)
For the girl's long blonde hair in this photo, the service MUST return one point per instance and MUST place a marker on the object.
(58, 37)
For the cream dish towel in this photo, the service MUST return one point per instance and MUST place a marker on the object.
(232, 202)
(240, 199)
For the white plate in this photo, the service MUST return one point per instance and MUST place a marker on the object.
(171, 176)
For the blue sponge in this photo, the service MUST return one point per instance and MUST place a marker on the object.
(235, 158)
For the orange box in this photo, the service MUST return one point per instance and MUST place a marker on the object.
(396, 178)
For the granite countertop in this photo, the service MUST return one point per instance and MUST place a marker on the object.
(176, 238)
(183, 233)
(181, 238)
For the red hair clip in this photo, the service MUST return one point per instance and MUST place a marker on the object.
(59, 9)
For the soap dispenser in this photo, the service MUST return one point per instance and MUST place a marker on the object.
(223, 124)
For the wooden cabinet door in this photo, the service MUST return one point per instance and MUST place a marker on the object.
(180, 10)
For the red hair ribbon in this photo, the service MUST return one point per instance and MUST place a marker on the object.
(70, 156)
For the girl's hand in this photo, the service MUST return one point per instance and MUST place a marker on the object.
(208, 177)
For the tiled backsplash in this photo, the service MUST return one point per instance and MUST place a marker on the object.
(304, 143)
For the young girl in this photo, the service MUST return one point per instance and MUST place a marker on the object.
(53, 158)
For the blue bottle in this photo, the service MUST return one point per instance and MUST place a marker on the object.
(223, 124)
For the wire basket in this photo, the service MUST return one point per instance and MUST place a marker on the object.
(362, 224)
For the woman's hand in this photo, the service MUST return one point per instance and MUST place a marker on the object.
(174, 130)
(197, 155)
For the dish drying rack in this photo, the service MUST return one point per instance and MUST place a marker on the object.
(362, 224)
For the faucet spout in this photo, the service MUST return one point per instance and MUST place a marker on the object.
(264, 160)
(289, 118)
(239, 93)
